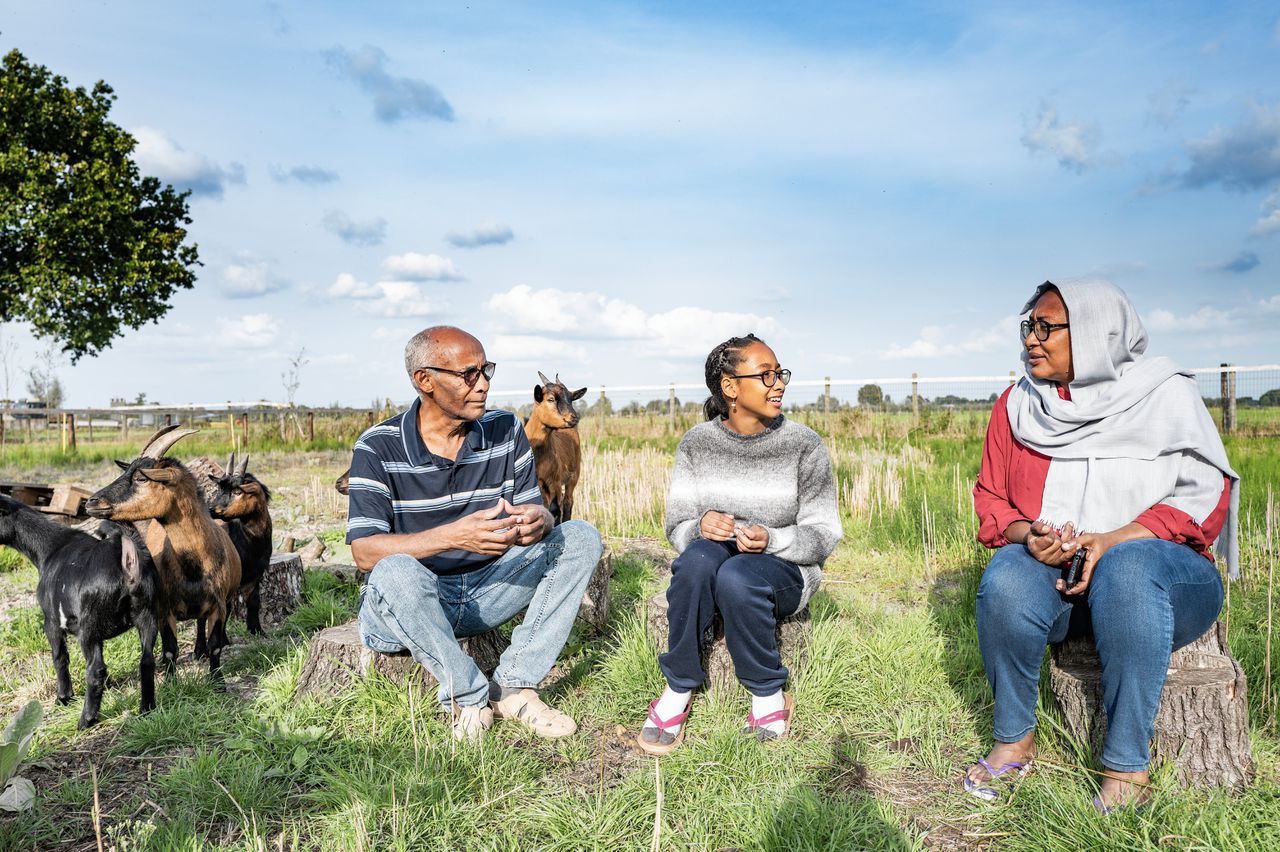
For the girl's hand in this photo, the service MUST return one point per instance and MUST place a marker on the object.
(716, 526)
(752, 539)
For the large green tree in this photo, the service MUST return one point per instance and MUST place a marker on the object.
(88, 246)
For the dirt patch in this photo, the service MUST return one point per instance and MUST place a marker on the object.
(615, 757)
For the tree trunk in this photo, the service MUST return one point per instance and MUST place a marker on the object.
(280, 590)
(337, 659)
(594, 608)
(1202, 725)
(793, 635)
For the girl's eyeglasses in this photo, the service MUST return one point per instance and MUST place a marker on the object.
(769, 377)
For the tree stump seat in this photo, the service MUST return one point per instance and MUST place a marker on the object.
(793, 634)
(279, 590)
(1202, 726)
(336, 658)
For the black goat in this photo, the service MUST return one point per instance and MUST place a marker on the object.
(243, 502)
(93, 588)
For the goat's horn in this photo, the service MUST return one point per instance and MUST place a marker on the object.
(163, 440)
(163, 430)
(545, 380)
(557, 378)
(244, 465)
(231, 464)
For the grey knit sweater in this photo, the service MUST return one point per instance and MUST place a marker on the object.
(779, 478)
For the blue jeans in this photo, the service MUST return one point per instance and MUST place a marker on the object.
(751, 590)
(1146, 599)
(406, 605)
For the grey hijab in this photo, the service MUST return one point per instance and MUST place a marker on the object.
(1128, 416)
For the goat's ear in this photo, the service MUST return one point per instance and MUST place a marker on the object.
(159, 474)
(579, 393)
(122, 464)
(537, 393)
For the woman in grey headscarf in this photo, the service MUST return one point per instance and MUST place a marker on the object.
(1101, 449)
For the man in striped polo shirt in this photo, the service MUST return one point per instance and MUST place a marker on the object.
(446, 516)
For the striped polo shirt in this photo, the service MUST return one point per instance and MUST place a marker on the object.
(397, 485)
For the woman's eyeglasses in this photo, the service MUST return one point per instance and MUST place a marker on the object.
(1041, 328)
(471, 375)
(769, 377)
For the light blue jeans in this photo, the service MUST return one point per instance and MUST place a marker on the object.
(406, 605)
(1146, 599)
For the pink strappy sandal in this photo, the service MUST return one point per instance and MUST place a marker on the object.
(656, 746)
(756, 727)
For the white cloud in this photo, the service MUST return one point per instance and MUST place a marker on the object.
(535, 349)
(1206, 318)
(347, 286)
(391, 299)
(250, 278)
(156, 154)
(1073, 144)
(250, 331)
(936, 341)
(679, 332)
(421, 267)
(488, 234)
(1269, 223)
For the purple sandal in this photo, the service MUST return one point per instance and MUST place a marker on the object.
(991, 794)
(756, 727)
(656, 746)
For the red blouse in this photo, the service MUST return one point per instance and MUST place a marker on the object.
(1010, 488)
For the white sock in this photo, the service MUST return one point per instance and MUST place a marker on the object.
(671, 703)
(761, 707)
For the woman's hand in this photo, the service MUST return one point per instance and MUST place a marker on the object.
(716, 526)
(1046, 545)
(1096, 545)
(752, 539)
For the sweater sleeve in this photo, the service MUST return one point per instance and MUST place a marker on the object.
(683, 512)
(817, 531)
(990, 493)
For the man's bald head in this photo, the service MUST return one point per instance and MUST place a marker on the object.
(436, 347)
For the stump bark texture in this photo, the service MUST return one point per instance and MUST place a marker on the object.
(280, 589)
(337, 659)
(792, 635)
(1202, 726)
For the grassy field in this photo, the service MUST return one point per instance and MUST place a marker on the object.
(891, 703)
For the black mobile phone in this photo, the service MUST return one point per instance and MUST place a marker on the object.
(1071, 570)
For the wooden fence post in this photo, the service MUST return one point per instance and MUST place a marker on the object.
(826, 395)
(71, 431)
(244, 431)
(671, 402)
(311, 426)
(1228, 400)
(915, 395)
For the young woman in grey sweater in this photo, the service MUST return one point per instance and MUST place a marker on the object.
(752, 513)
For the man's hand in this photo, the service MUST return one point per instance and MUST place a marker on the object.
(716, 526)
(752, 539)
(486, 531)
(530, 521)
(1045, 544)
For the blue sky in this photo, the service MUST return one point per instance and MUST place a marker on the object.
(607, 190)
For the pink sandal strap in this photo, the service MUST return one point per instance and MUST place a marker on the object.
(767, 719)
(662, 724)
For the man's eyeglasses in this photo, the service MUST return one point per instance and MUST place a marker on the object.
(1041, 328)
(769, 377)
(471, 375)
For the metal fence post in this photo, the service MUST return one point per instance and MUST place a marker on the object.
(1228, 400)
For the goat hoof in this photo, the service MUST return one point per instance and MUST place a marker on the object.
(86, 722)
(64, 699)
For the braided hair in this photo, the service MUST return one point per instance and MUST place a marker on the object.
(723, 361)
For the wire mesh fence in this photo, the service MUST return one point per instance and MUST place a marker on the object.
(1244, 400)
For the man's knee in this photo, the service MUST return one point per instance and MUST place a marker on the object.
(581, 539)
(398, 575)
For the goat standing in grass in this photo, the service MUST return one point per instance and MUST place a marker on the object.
(195, 559)
(243, 503)
(552, 430)
(93, 588)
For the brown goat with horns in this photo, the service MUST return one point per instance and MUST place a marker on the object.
(197, 564)
(552, 430)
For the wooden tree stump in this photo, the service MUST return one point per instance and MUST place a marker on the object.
(207, 472)
(594, 609)
(280, 589)
(337, 659)
(793, 643)
(1202, 725)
